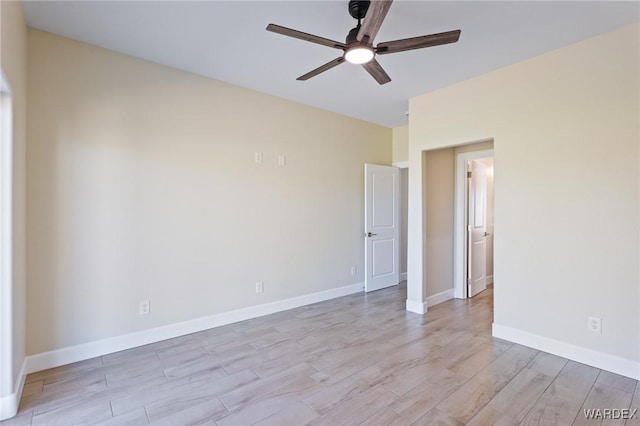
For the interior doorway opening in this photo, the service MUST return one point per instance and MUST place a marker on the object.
(442, 264)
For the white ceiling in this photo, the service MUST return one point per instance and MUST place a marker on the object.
(226, 40)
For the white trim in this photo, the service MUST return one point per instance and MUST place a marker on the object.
(438, 298)
(403, 276)
(96, 348)
(612, 363)
(7, 385)
(9, 404)
(489, 279)
(416, 307)
(459, 232)
(401, 164)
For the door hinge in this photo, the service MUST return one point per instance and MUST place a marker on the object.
(468, 175)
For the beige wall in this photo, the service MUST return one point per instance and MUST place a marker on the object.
(439, 187)
(400, 144)
(566, 129)
(13, 61)
(142, 185)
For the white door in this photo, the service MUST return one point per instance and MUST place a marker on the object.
(381, 227)
(477, 219)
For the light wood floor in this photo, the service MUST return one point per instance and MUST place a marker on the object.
(360, 359)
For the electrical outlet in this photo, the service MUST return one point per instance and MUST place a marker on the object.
(143, 307)
(354, 271)
(258, 157)
(259, 287)
(595, 324)
(282, 160)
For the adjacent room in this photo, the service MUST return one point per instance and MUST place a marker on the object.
(329, 212)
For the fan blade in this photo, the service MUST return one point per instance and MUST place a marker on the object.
(304, 36)
(374, 68)
(321, 69)
(373, 20)
(417, 42)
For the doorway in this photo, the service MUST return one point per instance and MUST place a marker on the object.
(382, 226)
(473, 229)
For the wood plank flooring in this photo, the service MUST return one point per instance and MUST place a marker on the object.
(356, 360)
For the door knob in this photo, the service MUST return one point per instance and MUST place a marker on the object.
(486, 234)
(369, 234)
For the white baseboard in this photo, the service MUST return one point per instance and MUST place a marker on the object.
(489, 279)
(403, 276)
(417, 307)
(96, 348)
(439, 297)
(9, 403)
(612, 363)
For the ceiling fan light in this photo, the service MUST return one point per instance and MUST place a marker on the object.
(359, 55)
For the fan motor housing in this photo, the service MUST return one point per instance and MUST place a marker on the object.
(351, 37)
(358, 8)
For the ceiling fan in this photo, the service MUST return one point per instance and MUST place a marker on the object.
(358, 47)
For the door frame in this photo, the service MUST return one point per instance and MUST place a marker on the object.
(460, 221)
(404, 219)
(8, 400)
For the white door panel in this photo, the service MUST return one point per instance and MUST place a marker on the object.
(477, 269)
(383, 254)
(382, 228)
(382, 207)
